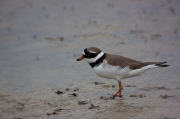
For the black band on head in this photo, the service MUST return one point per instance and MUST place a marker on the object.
(89, 54)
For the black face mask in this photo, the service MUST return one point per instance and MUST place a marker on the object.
(89, 55)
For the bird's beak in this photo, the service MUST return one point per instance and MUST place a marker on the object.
(80, 58)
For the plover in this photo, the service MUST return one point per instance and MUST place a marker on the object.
(116, 67)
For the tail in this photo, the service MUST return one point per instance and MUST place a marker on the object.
(159, 64)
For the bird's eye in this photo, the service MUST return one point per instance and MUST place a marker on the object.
(88, 53)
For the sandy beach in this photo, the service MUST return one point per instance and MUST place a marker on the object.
(40, 41)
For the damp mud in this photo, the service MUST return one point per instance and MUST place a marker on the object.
(41, 40)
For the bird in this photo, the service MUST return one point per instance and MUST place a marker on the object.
(116, 67)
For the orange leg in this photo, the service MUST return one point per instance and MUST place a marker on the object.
(118, 93)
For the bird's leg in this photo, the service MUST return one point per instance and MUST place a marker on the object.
(118, 93)
(120, 88)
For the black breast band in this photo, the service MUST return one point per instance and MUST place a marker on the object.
(98, 62)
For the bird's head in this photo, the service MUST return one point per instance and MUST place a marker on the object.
(91, 54)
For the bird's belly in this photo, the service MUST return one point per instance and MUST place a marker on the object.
(111, 72)
(105, 73)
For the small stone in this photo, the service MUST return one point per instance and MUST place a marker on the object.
(49, 38)
(59, 92)
(54, 113)
(113, 86)
(98, 83)
(82, 102)
(101, 97)
(43, 8)
(141, 96)
(106, 86)
(92, 106)
(165, 96)
(157, 53)
(122, 43)
(58, 110)
(67, 89)
(106, 98)
(172, 11)
(160, 88)
(175, 31)
(34, 36)
(37, 57)
(48, 103)
(47, 16)
(155, 36)
(74, 94)
(130, 86)
(48, 114)
(64, 7)
(61, 38)
(76, 89)
(8, 29)
(112, 97)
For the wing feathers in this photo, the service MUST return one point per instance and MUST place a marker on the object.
(117, 60)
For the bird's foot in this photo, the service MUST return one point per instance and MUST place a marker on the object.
(120, 96)
(113, 97)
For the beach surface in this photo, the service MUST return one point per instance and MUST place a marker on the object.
(40, 41)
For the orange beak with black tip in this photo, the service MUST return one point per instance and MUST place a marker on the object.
(80, 58)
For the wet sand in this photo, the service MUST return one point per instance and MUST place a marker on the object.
(41, 40)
